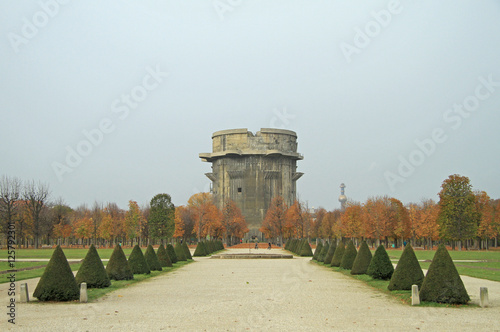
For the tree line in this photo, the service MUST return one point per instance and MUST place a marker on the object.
(461, 217)
(37, 221)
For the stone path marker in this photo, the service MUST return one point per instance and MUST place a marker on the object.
(24, 293)
(254, 295)
(415, 298)
(483, 297)
(83, 292)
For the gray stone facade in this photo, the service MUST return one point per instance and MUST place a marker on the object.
(251, 169)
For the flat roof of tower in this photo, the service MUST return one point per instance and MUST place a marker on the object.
(262, 130)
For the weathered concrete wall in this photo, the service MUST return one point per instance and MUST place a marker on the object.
(252, 169)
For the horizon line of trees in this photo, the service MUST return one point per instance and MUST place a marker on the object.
(462, 217)
(25, 208)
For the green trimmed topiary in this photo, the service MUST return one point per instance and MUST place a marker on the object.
(152, 259)
(92, 271)
(171, 253)
(57, 282)
(137, 262)
(380, 266)
(337, 255)
(349, 256)
(317, 250)
(306, 250)
(442, 283)
(179, 252)
(324, 251)
(407, 273)
(363, 259)
(118, 267)
(187, 252)
(330, 253)
(201, 249)
(163, 257)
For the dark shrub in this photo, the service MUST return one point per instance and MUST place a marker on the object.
(380, 266)
(324, 251)
(137, 262)
(152, 259)
(443, 283)
(187, 252)
(317, 250)
(362, 260)
(337, 256)
(201, 249)
(179, 252)
(57, 282)
(171, 253)
(407, 273)
(92, 271)
(349, 256)
(330, 253)
(118, 267)
(306, 250)
(163, 257)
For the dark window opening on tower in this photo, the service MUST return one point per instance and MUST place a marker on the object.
(239, 189)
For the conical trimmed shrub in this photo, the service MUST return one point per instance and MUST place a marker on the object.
(329, 254)
(349, 256)
(337, 255)
(137, 262)
(163, 257)
(443, 283)
(152, 259)
(57, 282)
(380, 265)
(179, 252)
(363, 259)
(306, 250)
(316, 251)
(407, 273)
(201, 249)
(324, 251)
(92, 271)
(187, 252)
(171, 253)
(118, 267)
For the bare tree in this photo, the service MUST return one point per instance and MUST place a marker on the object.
(10, 191)
(35, 196)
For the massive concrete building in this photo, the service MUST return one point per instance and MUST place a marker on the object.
(251, 169)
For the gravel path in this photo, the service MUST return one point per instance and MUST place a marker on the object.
(256, 295)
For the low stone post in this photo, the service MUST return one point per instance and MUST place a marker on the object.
(24, 293)
(83, 292)
(415, 297)
(483, 297)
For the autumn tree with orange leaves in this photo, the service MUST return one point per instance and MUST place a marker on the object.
(234, 223)
(274, 222)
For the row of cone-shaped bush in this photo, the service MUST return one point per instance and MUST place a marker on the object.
(299, 247)
(442, 283)
(59, 284)
(206, 248)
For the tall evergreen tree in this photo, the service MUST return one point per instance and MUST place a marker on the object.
(458, 217)
(161, 217)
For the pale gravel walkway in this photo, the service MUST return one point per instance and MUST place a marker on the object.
(257, 295)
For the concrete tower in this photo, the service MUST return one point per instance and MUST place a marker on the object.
(251, 169)
(342, 197)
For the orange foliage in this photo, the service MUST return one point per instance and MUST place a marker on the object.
(274, 222)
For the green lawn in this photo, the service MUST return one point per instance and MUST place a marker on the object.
(70, 253)
(490, 269)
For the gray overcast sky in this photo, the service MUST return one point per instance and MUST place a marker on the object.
(389, 97)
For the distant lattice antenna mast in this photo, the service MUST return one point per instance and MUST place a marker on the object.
(342, 197)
